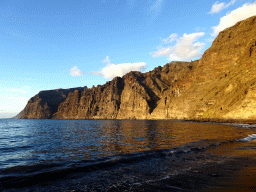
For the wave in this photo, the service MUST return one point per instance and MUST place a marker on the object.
(248, 138)
(25, 175)
(14, 149)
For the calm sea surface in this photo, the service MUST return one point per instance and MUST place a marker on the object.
(102, 154)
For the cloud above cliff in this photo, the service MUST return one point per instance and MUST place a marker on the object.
(18, 90)
(106, 60)
(185, 48)
(156, 7)
(218, 7)
(173, 37)
(74, 71)
(113, 70)
(21, 90)
(231, 18)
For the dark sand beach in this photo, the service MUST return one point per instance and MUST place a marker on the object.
(235, 175)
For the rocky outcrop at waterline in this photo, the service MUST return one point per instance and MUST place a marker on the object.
(219, 86)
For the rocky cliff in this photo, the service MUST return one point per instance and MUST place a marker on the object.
(135, 96)
(45, 103)
(220, 86)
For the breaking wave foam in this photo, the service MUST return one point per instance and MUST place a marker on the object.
(248, 138)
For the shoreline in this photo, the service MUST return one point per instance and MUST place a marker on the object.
(235, 174)
(231, 121)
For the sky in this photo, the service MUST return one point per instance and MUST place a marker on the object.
(53, 44)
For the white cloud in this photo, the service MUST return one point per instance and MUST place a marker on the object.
(186, 48)
(230, 19)
(171, 38)
(24, 90)
(18, 90)
(74, 71)
(209, 40)
(217, 7)
(113, 70)
(107, 60)
(156, 7)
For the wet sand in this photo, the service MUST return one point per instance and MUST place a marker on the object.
(236, 175)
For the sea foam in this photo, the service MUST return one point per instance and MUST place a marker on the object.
(248, 138)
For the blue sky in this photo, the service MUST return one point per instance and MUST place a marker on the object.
(54, 44)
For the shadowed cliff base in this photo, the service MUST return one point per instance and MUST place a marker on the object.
(221, 86)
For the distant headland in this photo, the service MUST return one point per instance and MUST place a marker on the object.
(221, 86)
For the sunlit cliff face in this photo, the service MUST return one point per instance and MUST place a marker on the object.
(221, 86)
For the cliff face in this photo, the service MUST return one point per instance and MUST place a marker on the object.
(134, 96)
(97, 102)
(221, 85)
(45, 103)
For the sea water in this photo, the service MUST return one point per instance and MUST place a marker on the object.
(99, 155)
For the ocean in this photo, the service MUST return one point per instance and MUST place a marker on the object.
(124, 155)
